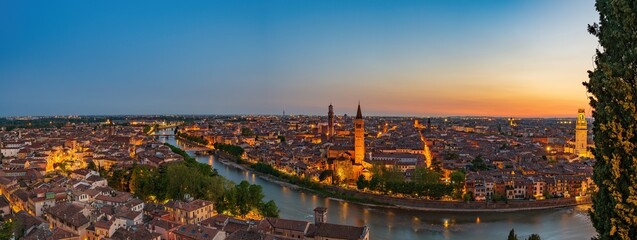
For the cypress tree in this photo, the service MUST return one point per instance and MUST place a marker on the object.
(512, 235)
(614, 102)
(534, 237)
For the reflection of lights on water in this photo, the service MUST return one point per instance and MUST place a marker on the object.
(344, 210)
(415, 222)
(446, 223)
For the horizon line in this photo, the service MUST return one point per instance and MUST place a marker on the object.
(289, 115)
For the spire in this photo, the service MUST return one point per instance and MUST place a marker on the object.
(359, 115)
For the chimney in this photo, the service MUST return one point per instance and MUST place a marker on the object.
(320, 215)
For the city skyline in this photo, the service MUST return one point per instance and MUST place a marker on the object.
(397, 58)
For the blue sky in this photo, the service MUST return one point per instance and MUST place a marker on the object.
(420, 58)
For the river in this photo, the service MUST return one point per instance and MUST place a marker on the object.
(384, 223)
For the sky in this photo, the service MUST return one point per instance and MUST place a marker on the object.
(398, 58)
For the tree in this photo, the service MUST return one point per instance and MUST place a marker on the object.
(6, 230)
(269, 209)
(243, 197)
(91, 165)
(375, 182)
(325, 174)
(512, 235)
(478, 164)
(246, 132)
(361, 183)
(425, 176)
(457, 179)
(613, 89)
(534, 237)
(393, 174)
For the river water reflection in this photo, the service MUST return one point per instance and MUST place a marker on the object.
(563, 223)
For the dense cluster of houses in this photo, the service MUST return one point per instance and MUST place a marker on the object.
(78, 207)
(49, 193)
(32, 153)
(301, 145)
(571, 181)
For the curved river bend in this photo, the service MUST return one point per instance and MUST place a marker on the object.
(383, 223)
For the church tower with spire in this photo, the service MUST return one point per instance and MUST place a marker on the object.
(330, 122)
(359, 137)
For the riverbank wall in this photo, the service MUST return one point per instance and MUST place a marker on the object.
(461, 206)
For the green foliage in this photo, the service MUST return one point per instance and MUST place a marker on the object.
(392, 180)
(91, 166)
(246, 132)
(118, 178)
(425, 176)
(361, 183)
(613, 87)
(233, 150)
(512, 235)
(293, 179)
(375, 182)
(466, 197)
(534, 237)
(325, 174)
(267, 169)
(499, 198)
(478, 164)
(457, 178)
(175, 180)
(269, 209)
(6, 230)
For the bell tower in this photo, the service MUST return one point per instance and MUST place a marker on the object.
(330, 121)
(581, 134)
(359, 137)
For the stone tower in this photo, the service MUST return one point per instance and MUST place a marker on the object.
(330, 121)
(581, 134)
(359, 137)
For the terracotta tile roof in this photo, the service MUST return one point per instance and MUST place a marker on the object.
(245, 235)
(163, 223)
(196, 232)
(69, 213)
(135, 233)
(188, 206)
(288, 224)
(337, 231)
